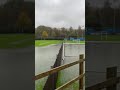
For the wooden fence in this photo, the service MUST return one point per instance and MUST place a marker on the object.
(80, 77)
(111, 81)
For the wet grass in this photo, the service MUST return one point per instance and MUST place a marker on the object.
(65, 76)
(41, 43)
(74, 86)
(59, 83)
(39, 87)
(39, 84)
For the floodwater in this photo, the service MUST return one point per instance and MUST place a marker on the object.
(99, 56)
(72, 52)
(44, 58)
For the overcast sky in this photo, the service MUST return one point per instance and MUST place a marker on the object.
(60, 13)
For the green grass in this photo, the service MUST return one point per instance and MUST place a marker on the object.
(59, 83)
(40, 43)
(39, 87)
(16, 40)
(98, 38)
(39, 84)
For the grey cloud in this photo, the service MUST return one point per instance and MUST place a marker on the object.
(59, 13)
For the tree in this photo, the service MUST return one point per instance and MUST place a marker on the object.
(79, 33)
(71, 31)
(53, 34)
(44, 34)
(49, 32)
(63, 32)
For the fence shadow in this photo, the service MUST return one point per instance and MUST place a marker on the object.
(52, 79)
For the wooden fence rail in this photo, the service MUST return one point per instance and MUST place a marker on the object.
(62, 67)
(54, 70)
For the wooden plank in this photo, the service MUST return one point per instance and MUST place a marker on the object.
(81, 68)
(54, 70)
(70, 82)
(104, 84)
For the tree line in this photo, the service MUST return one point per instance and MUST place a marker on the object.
(102, 17)
(43, 32)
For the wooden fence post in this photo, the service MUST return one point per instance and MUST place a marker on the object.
(111, 73)
(81, 67)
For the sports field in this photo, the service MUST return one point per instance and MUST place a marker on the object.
(47, 42)
(16, 40)
(40, 43)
